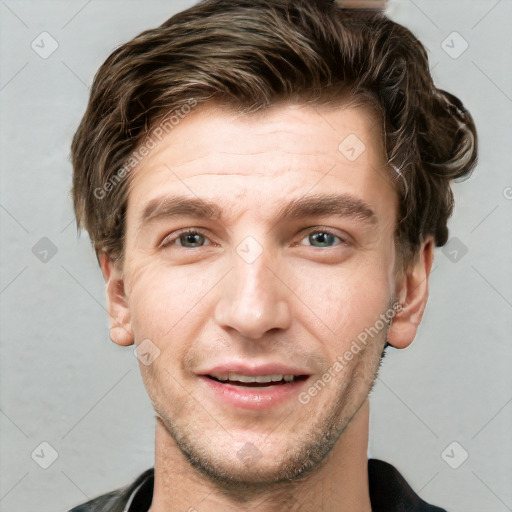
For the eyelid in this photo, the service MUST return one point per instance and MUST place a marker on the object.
(170, 238)
(341, 235)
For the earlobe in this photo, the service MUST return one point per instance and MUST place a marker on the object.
(412, 294)
(119, 314)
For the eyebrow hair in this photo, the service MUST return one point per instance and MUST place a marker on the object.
(318, 205)
(174, 206)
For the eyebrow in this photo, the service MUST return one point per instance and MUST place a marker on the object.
(318, 205)
(178, 206)
(323, 205)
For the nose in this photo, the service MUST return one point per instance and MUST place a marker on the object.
(253, 299)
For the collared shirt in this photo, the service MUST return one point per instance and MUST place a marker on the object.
(389, 492)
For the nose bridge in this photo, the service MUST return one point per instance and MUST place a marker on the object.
(254, 300)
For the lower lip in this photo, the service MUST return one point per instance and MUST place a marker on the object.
(252, 397)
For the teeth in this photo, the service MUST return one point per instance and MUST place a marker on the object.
(241, 378)
(263, 378)
(236, 377)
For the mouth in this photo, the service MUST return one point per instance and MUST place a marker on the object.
(256, 381)
(257, 387)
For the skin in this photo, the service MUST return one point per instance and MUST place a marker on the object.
(302, 301)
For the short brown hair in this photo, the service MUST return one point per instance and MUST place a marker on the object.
(253, 54)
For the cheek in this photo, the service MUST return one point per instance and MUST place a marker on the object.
(344, 301)
(164, 299)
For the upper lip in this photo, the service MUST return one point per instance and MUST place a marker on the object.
(243, 368)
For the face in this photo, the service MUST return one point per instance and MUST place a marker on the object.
(258, 249)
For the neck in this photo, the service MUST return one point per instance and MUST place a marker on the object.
(340, 484)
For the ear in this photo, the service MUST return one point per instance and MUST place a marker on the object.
(117, 307)
(412, 294)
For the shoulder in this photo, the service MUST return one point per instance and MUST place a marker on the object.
(389, 492)
(118, 500)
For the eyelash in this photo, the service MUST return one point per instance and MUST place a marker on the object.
(188, 231)
(191, 231)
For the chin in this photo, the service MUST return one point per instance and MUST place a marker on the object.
(252, 463)
(246, 475)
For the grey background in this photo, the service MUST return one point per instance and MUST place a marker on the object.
(63, 382)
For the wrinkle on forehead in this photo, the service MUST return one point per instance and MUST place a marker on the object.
(289, 160)
(293, 129)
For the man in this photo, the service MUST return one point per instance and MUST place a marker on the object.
(264, 182)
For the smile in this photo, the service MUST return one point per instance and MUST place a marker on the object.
(254, 388)
(255, 380)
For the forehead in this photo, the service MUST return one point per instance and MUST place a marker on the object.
(304, 129)
(287, 149)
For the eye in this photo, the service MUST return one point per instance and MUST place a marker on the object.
(187, 238)
(323, 238)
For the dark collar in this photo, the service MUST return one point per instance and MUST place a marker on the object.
(389, 492)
